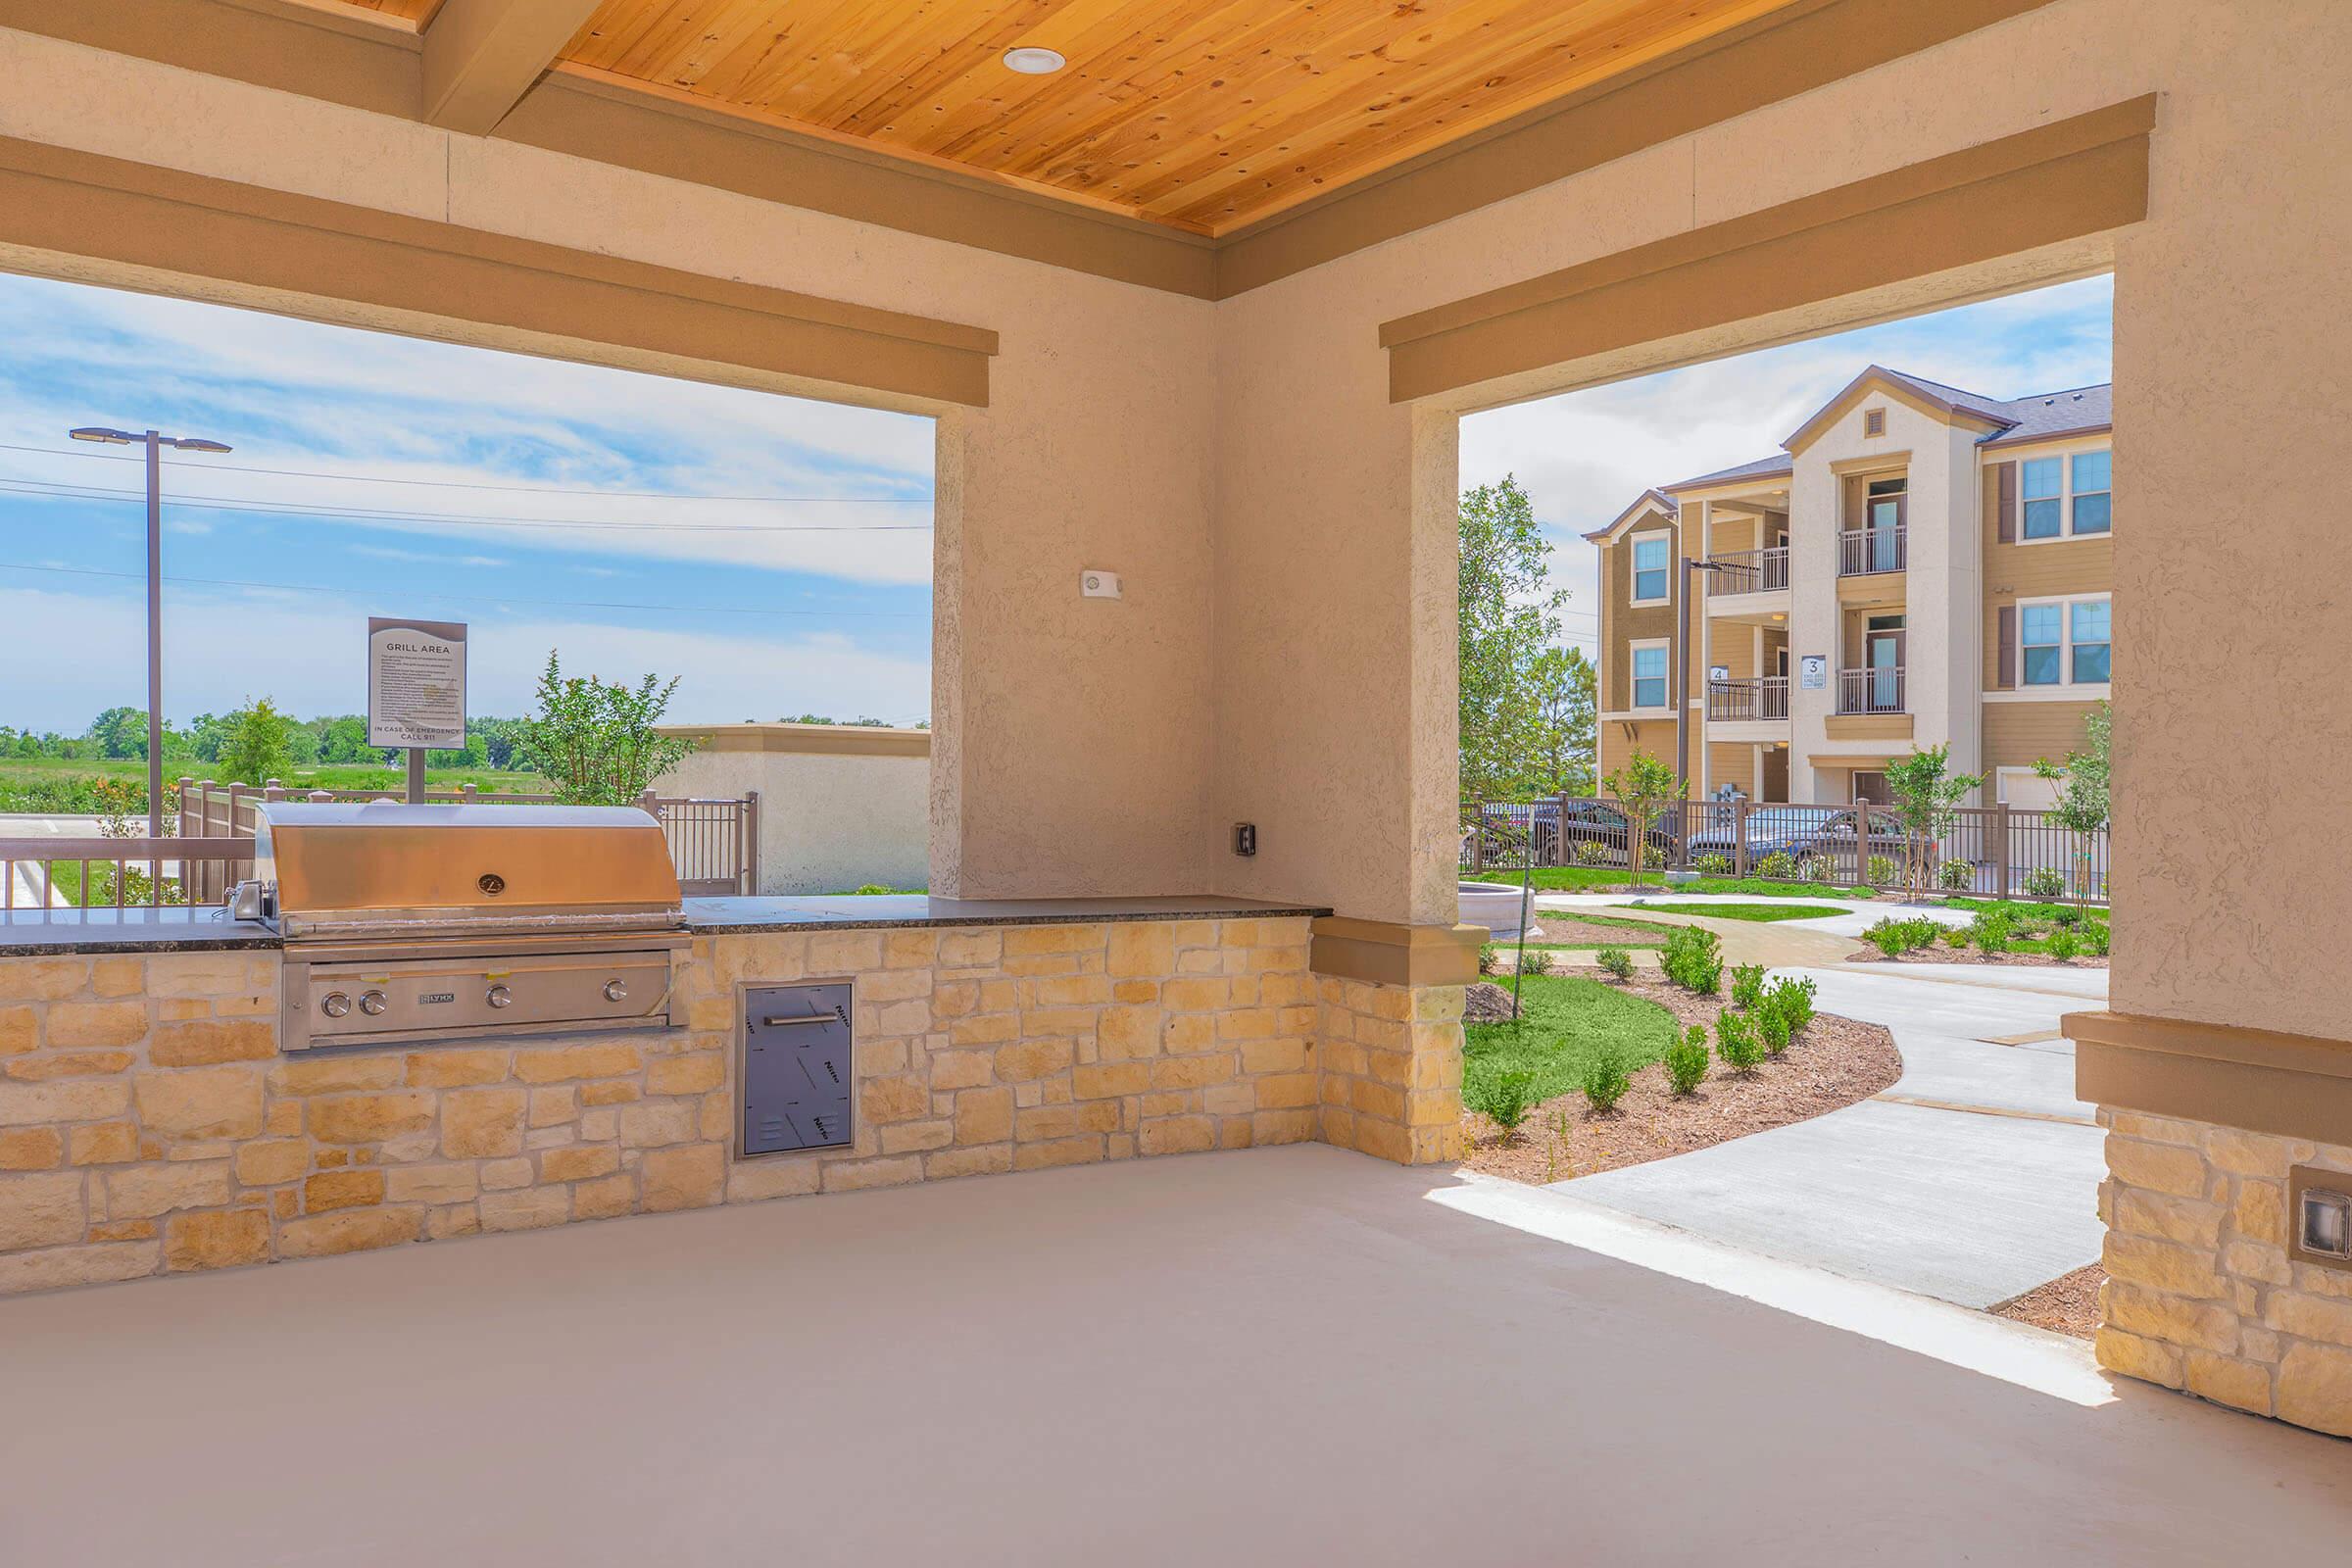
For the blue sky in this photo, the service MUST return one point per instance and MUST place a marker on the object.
(1583, 457)
(788, 568)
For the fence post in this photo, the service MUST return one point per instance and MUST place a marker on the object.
(1862, 844)
(273, 789)
(649, 804)
(467, 791)
(1739, 857)
(320, 795)
(747, 822)
(2000, 858)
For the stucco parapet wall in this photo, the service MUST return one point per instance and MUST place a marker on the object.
(816, 740)
(149, 1124)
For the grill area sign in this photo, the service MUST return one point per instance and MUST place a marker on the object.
(415, 683)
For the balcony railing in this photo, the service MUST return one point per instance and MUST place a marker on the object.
(1877, 690)
(1863, 550)
(1739, 701)
(1750, 571)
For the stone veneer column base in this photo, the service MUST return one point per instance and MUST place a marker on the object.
(2201, 1295)
(1390, 1070)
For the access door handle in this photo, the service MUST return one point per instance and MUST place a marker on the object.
(783, 1023)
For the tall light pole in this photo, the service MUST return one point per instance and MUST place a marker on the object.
(154, 442)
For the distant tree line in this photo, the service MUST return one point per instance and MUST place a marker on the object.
(213, 740)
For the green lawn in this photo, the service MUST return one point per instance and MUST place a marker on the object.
(1566, 1021)
(1739, 911)
(1581, 878)
(2030, 924)
(1637, 933)
(61, 785)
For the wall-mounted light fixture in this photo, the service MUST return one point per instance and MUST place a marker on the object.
(2320, 1216)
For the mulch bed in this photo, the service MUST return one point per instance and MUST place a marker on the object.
(1551, 927)
(2067, 1305)
(1939, 953)
(1835, 1063)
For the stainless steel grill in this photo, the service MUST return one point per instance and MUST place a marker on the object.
(442, 922)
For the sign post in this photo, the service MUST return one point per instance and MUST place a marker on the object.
(416, 689)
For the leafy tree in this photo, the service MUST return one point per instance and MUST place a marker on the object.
(596, 742)
(121, 732)
(344, 739)
(2082, 804)
(1508, 614)
(1924, 792)
(258, 745)
(1566, 705)
(1641, 787)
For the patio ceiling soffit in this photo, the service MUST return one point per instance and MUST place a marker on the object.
(477, 68)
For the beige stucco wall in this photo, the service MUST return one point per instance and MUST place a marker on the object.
(830, 818)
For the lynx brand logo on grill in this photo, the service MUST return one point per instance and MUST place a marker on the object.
(492, 883)
(438, 996)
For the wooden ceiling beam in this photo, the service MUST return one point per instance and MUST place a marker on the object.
(481, 56)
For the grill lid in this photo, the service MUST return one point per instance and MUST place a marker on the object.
(387, 867)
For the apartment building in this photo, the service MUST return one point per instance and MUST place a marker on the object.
(1919, 565)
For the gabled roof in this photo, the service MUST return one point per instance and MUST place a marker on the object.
(1778, 463)
(1933, 398)
(2055, 414)
(1647, 501)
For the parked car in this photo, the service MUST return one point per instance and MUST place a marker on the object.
(1551, 834)
(1802, 834)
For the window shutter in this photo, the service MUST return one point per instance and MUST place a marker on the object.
(2008, 525)
(2008, 646)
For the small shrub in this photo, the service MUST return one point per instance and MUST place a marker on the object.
(1617, 961)
(1486, 957)
(1792, 1001)
(1772, 1030)
(1890, 936)
(1883, 872)
(1605, 1079)
(1502, 1099)
(2094, 938)
(2045, 882)
(1653, 858)
(1686, 1059)
(1535, 960)
(1736, 1044)
(1694, 959)
(1957, 876)
(1777, 866)
(1816, 869)
(2066, 915)
(1748, 984)
(1591, 851)
(1989, 931)
(2062, 945)
(1956, 935)
(1712, 864)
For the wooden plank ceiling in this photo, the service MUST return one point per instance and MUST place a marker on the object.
(1202, 114)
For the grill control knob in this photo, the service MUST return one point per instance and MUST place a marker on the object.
(615, 990)
(334, 1005)
(373, 1003)
(499, 996)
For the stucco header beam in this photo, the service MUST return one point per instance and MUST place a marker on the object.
(2077, 178)
(60, 202)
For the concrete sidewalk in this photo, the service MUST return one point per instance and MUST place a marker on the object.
(1973, 1179)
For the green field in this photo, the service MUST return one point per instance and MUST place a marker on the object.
(62, 786)
(1565, 1022)
(1583, 878)
(1742, 911)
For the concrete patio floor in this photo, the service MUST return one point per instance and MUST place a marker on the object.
(1281, 1355)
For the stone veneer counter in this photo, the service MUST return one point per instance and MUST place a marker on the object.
(28, 933)
(149, 1123)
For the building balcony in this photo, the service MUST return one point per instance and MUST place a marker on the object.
(1866, 551)
(1873, 704)
(1743, 702)
(1750, 585)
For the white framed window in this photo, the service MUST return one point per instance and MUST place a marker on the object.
(2065, 495)
(2065, 642)
(1649, 673)
(1653, 560)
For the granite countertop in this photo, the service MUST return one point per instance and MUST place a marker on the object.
(723, 916)
(31, 933)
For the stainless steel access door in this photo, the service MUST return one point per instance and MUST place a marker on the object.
(796, 1068)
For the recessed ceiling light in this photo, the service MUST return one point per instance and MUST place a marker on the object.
(1030, 61)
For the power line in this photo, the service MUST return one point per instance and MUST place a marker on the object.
(476, 598)
(281, 509)
(467, 484)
